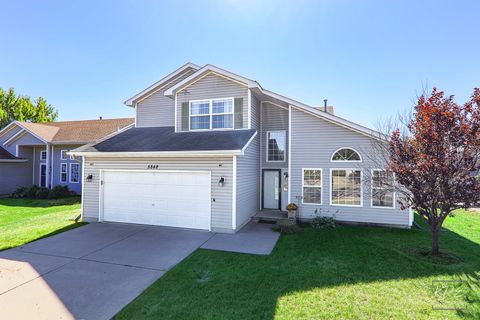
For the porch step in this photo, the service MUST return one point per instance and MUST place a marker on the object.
(269, 216)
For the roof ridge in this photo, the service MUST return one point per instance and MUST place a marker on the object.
(88, 120)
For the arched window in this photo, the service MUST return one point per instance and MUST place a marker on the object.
(346, 154)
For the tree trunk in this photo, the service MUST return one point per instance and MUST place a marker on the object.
(435, 242)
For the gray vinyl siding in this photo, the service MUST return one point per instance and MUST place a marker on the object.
(210, 87)
(8, 135)
(313, 142)
(255, 110)
(219, 167)
(273, 119)
(27, 139)
(16, 174)
(248, 183)
(158, 110)
(76, 187)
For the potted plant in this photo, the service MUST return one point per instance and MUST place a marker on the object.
(292, 211)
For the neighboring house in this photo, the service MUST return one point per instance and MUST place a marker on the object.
(36, 153)
(210, 149)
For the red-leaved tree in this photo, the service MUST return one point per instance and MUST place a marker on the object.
(438, 159)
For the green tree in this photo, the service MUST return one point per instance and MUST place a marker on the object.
(22, 108)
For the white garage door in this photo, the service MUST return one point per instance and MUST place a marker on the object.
(174, 199)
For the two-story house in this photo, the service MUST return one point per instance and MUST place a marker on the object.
(210, 149)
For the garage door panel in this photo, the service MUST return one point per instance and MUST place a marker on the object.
(177, 199)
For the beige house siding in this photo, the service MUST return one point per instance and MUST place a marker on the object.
(209, 87)
(219, 167)
(157, 110)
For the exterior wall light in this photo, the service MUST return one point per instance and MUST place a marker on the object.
(89, 178)
(221, 182)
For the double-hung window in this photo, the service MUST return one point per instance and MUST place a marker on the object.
(276, 145)
(211, 114)
(63, 154)
(382, 189)
(63, 172)
(346, 187)
(74, 172)
(312, 186)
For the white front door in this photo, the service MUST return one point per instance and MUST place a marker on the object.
(174, 199)
(271, 189)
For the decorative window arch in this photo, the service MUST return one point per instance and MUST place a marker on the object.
(346, 155)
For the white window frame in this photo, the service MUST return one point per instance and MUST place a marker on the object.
(70, 173)
(266, 145)
(371, 191)
(210, 113)
(42, 157)
(361, 188)
(321, 186)
(346, 161)
(66, 172)
(62, 155)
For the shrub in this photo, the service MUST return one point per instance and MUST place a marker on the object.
(287, 227)
(20, 192)
(323, 222)
(32, 192)
(59, 192)
(42, 193)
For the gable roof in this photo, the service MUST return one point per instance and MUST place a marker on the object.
(256, 87)
(75, 132)
(211, 69)
(130, 101)
(165, 139)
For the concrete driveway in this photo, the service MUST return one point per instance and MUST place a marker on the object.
(92, 272)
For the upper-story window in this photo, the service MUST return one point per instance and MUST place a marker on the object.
(211, 114)
(346, 155)
(276, 145)
(63, 154)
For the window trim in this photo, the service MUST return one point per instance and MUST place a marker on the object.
(70, 171)
(266, 146)
(361, 188)
(371, 191)
(210, 113)
(321, 187)
(66, 172)
(61, 154)
(346, 161)
(41, 155)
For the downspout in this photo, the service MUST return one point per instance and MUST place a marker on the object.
(51, 166)
(47, 166)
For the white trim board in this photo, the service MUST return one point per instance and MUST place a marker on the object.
(154, 86)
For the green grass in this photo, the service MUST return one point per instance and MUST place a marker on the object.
(341, 273)
(25, 220)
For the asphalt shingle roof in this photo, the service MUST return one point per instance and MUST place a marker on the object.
(5, 155)
(166, 139)
(83, 131)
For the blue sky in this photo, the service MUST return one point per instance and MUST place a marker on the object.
(369, 58)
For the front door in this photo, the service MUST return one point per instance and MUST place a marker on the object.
(43, 175)
(271, 189)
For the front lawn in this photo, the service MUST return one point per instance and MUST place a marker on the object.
(25, 220)
(342, 273)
